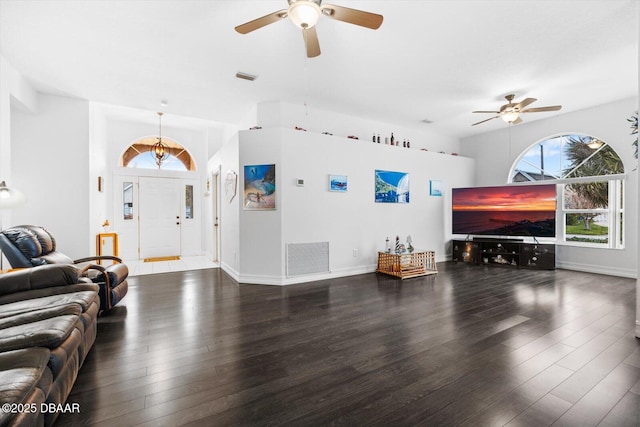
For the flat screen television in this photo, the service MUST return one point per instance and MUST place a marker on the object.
(519, 210)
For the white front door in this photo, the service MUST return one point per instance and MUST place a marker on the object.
(159, 217)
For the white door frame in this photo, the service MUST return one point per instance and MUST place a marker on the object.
(215, 178)
(126, 234)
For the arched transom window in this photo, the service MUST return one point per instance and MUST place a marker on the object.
(590, 175)
(139, 155)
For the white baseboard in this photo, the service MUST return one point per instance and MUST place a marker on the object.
(230, 271)
(284, 281)
(597, 269)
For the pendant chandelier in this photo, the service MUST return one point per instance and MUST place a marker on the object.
(160, 150)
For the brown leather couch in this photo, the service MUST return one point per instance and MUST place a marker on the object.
(27, 246)
(48, 324)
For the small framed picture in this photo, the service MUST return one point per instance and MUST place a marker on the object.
(338, 183)
(435, 188)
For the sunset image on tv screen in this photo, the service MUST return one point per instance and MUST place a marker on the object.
(524, 210)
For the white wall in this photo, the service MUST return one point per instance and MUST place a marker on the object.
(495, 153)
(350, 220)
(287, 115)
(50, 153)
(225, 160)
(261, 231)
(15, 93)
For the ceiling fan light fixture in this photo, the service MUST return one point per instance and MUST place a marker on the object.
(595, 144)
(510, 116)
(304, 13)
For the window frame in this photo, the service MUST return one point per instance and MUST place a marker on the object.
(614, 211)
(616, 196)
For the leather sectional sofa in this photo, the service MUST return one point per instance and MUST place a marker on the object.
(48, 324)
(27, 246)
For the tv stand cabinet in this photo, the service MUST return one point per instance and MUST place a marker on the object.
(505, 252)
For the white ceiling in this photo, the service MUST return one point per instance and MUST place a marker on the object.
(437, 60)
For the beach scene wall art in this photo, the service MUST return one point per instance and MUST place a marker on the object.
(338, 183)
(260, 187)
(391, 187)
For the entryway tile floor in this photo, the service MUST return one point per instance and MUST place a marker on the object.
(138, 267)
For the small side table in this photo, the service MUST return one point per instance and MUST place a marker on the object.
(101, 244)
(407, 264)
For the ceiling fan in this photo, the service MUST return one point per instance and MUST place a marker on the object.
(511, 112)
(305, 13)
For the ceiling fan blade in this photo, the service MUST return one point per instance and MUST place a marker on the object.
(540, 109)
(516, 121)
(520, 105)
(311, 42)
(247, 27)
(488, 112)
(490, 118)
(353, 16)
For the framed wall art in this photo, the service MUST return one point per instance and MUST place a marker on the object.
(259, 187)
(338, 183)
(391, 187)
(435, 188)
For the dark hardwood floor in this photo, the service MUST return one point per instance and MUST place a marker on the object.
(471, 346)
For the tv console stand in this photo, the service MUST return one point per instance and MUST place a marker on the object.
(505, 252)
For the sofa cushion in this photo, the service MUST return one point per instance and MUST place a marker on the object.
(25, 240)
(62, 354)
(45, 276)
(51, 258)
(45, 238)
(49, 333)
(36, 315)
(82, 298)
(24, 378)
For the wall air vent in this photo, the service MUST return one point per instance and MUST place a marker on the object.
(307, 258)
(246, 76)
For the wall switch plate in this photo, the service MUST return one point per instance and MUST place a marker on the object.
(300, 182)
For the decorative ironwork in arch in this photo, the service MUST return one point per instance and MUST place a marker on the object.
(138, 155)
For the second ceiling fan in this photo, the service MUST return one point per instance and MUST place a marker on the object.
(305, 13)
(511, 111)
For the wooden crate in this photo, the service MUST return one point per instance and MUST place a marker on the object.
(405, 265)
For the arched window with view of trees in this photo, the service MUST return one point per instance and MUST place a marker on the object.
(139, 155)
(590, 177)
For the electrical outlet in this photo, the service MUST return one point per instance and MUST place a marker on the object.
(356, 252)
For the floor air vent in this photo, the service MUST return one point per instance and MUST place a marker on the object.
(307, 258)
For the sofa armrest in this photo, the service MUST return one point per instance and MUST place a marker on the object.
(98, 258)
(45, 276)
